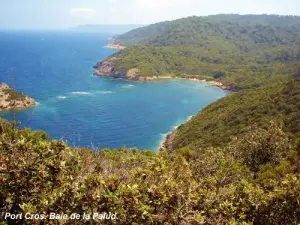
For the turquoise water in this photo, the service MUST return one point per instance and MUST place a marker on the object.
(55, 68)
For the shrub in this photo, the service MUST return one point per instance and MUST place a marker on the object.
(260, 146)
(189, 187)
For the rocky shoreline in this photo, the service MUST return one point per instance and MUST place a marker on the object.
(115, 46)
(13, 100)
(105, 68)
(216, 83)
(166, 141)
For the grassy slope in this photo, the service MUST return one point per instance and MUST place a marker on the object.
(248, 49)
(216, 124)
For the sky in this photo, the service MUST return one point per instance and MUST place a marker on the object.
(60, 14)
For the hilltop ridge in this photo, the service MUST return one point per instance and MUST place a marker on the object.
(239, 51)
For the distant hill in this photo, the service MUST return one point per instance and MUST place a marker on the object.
(253, 29)
(240, 50)
(108, 28)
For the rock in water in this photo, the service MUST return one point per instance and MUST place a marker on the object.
(11, 99)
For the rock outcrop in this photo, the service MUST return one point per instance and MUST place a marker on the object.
(115, 46)
(166, 144)
(11, 99)
(105, 69)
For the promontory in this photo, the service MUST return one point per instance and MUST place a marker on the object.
(11, 99)
(234, 51)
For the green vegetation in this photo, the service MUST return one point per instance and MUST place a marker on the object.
(230, 116)
(231, 27)
(13, 95)
(249, 50)
(252, 180)
(235, 162)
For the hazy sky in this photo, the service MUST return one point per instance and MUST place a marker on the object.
(51, 14)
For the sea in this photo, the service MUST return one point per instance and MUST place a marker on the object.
(55, 69)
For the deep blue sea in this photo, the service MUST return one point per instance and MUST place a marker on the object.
(55, 68)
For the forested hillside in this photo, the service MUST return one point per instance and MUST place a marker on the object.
(222, 121)
(241, 51)
(249, 29)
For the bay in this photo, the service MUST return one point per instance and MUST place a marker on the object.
(55, 68)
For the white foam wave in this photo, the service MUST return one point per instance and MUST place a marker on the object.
(61, 97)
(81, 93)
(175, 127)
(189, 118)
(164, 136)
(103, 92)
(128, 86)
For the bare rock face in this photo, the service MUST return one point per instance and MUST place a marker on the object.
(105, 69)
(11, 99)
(133, 74)
(4, 86)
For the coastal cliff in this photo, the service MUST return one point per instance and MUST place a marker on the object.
(115, 46)
(11, 99)
(105, 68)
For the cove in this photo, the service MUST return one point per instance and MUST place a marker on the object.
(55, 68)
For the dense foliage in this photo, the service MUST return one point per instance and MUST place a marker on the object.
(236, 27)
(220, 121)
(192, 186)
(248, 50)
